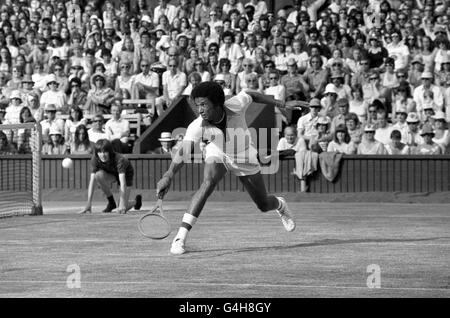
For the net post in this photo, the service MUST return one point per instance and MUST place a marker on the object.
(37, 172)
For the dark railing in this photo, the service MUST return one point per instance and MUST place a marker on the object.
(357, 174)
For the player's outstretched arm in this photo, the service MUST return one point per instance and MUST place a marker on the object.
(183, 154)
(265, 99)
(91, 189)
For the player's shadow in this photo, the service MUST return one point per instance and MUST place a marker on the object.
(325, 242)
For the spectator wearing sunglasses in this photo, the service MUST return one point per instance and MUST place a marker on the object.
(97, 132)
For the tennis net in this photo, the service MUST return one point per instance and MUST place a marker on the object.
(20, 174)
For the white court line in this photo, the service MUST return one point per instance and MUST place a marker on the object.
(240, 285)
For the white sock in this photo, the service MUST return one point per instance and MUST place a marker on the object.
(187, 223)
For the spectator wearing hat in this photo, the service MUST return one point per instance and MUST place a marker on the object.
(167, 143)
(342, 106)
(220, 79)
(27, 88)
(441, 132)
(369, 145)
(443, 75)
(306, 124)
(321, 138)
(166, 9)
(341, 142)
(55, 144)
(419, 93)
(415, 72)
(428, 147)
(99, 97)
(50, 121)
(231, 51)
(396, 146)
(400, 122)
(413, 137)
(316, 77)
(329, 101)
(54, 96)
(12, 112)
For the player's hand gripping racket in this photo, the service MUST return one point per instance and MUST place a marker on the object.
(154, 225)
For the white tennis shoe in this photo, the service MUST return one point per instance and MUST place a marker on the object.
(285, 215)
(177, 247)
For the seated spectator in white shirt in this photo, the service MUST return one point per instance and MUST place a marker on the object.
(54, 96)
(55, 145)
(413, 137)
(368, 145)
(428, 147)
(384, 129)
(396, 146)
(341, 142)
(220, 79)
(290, 143)
(307, 123)
(96, 132)
(118, 129)
(12, 112)
(279, 93)
(51, 121)
(174, 82)
(420, 96)
(146, 83)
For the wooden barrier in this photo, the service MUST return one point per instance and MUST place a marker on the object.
(358, 174)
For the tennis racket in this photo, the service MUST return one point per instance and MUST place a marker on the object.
(154, 225)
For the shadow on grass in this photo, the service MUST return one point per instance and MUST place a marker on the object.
(325, 242)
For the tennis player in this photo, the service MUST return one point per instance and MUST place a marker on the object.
(109, 167)
(218, 120)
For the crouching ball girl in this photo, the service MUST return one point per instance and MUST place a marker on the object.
(109, 167)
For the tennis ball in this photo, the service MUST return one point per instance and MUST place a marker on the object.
(67, 163)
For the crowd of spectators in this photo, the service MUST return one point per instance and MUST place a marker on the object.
(376, 74)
